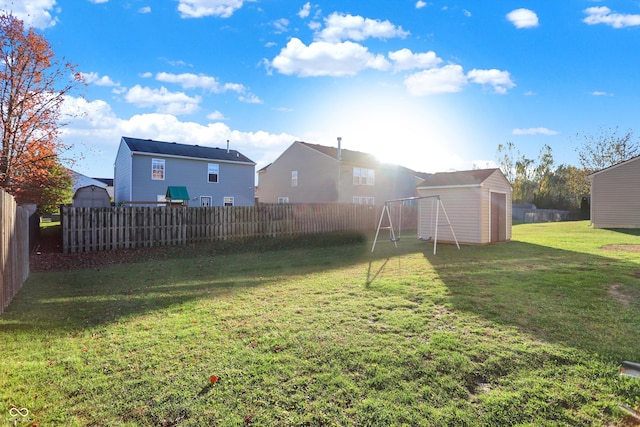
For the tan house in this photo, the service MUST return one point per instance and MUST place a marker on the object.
(312, 173)
(477, 203)
(615, 196)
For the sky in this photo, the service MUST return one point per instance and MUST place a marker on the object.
(431, 85)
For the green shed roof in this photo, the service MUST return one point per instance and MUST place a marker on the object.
(177, 193)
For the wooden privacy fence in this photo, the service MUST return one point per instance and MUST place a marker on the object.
(99, 229)
(14, 248)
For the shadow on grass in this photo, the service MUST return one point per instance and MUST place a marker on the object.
(75, 300)
(585, 301)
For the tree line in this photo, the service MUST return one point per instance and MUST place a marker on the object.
(550, 186)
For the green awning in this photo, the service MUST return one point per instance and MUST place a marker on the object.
(177, 193)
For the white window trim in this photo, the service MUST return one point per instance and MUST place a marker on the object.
(294, 178)
(158, 162)
(283, 200)
(227, 199)
(209, 173)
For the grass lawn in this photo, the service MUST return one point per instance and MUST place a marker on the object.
(295, 333)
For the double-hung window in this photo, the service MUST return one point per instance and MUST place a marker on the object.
(364, 176)
(294, 178)
(213, 171)
(157, 169)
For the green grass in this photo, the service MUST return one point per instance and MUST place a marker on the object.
(312, 332)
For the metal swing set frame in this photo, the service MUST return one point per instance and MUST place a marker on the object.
(386, 213)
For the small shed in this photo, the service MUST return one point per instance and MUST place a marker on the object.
(477, 203)
(177, 195)
(91, 196)
(615, 195)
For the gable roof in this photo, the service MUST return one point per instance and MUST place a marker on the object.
(149, 146)
(348, 156)
(459, 178)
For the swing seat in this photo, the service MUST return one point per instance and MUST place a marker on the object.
(397, 239)
(425, 239)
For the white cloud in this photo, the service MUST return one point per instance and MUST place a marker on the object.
(162, 100)
(466, 13)
(250, 99)
(326, 59)
(600, 93)
(216, 115)
(98, 1)
(94, 78)
(499, 80)
(604, 15)
(202, 8)
(420, 4)
(447, 79)
(281, 25)
(34, 13)
(348, 27)
(145, 9)
(200, 81)
(404, 59)
(96, 122)
(523, 18)
(305, 11)
(534, 131)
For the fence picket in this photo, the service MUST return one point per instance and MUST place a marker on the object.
(94, 229)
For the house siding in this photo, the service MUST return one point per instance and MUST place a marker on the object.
(235, 180)
(317, 177)
(122, 174)
(324, 179)
(615, 196)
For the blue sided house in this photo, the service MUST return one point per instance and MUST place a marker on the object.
(148, 172)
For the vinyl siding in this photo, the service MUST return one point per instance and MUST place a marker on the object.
(496, 183)
(461, 204)
(468, 208)
(615, 196)
(235, 180)
(122, 174)
(317, 177)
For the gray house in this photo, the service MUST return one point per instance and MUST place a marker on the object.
(312, 173)
(146, 169)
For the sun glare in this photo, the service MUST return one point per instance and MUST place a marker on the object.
(416, 133)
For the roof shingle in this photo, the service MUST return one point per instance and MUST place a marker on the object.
(184, 150)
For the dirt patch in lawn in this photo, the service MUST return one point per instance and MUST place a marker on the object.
(622, 248)
(621, 295)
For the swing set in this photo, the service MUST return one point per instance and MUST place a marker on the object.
(428, 220)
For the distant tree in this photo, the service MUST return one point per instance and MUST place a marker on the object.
(607, 148)
(33, 86)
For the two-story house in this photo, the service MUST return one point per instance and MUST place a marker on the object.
(145, 169)
(312, 173)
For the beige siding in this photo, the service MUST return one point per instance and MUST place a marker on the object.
(461, 205)
(496, 183)
(317, 177)
(615, 196)
(468, 209)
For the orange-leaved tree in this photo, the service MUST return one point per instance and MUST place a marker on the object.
(33, 87)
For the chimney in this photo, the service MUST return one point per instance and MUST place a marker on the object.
(227, 146)
(339, 148)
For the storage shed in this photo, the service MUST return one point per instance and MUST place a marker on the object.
(615, 196)
(91, 196)
(477, 204)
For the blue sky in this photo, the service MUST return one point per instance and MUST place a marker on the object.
(431, 85)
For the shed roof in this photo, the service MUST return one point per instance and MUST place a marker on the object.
(150, 146)
(177, 193)
(458, 178)
(631, 160)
